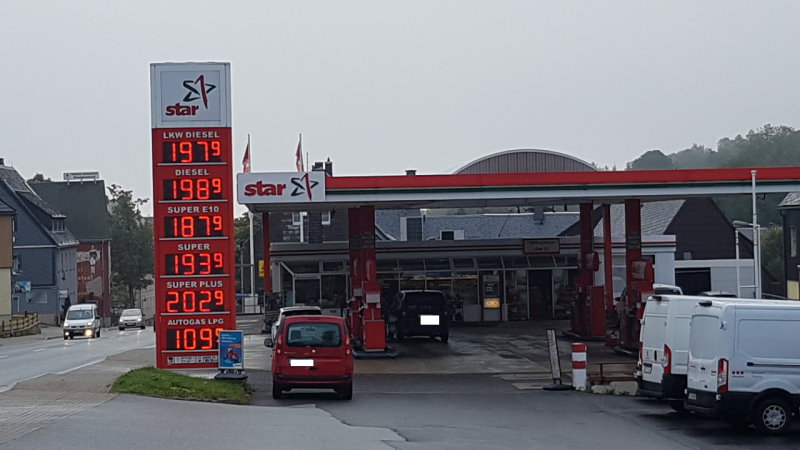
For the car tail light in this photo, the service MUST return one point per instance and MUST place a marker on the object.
(667, 360)
(278, 344)
(347, 349)
(722, 375)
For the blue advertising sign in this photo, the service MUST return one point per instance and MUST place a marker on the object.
(231, 350)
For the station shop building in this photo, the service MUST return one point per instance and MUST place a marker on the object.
(500, 257)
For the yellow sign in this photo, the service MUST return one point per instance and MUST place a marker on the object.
(261, 268)
(491, 303)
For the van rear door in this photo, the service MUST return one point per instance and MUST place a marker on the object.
(704, 349)
(653, 331)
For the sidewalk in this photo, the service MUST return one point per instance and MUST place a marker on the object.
(46, 332)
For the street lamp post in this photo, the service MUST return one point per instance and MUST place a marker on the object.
(756, 255)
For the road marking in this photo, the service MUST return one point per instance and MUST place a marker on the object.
(39, 350)
(3, 356)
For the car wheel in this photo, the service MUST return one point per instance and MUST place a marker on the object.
(71, 336)
(345, 393)
(142, 327)
(277, 391)
(773, 416)
(121, 328)
(97, 335)
(445, 337)
(66, 337)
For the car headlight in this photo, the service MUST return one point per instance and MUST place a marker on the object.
(66, 324)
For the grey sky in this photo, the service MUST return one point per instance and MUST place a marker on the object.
(385, 86)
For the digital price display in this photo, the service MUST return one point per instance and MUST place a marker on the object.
(193, 230)
(200, 338)
(193, 226)
(192, 152)
(195, 301)
(200, 263)
(193, 189)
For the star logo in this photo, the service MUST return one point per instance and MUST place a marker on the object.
(303, 185)
(198, 89)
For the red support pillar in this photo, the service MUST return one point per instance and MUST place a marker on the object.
(612, 337)
(608, 257)
(633, 256)
(582, 317)
(267, 258)
(354, 251)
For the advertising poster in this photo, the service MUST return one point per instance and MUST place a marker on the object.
(231, 350)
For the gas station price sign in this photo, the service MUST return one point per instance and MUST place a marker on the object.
(193, 212)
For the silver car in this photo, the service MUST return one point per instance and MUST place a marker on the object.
(131, 318)
(293, 311)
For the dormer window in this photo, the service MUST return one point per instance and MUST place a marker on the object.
(59, 224)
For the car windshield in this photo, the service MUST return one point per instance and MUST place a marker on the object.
(77, 314)
(313, 334)
(132, 312)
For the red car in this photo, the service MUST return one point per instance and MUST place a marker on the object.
(312, 352)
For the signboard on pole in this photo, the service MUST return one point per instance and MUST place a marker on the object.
(193, 212)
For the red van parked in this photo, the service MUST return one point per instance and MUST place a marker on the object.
(312, 352)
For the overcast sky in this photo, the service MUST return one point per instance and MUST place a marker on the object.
(380, 87)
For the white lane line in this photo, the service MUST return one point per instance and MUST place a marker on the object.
(3, 356)
(39, 350)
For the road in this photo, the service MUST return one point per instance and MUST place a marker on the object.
(29, 360)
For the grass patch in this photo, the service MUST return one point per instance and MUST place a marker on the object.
(163, 383)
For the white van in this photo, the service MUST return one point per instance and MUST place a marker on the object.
(744, 362)
(664, 346)
(82, 319)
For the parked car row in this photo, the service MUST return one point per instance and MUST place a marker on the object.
(738, 359)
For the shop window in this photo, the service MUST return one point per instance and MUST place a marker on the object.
(515, 262)
(411, 264)
(387, 265)
(463, 263)
(303, 267)
(793, 241)
(333, 266)
(326, 217)
(489, 262)
(437, 264)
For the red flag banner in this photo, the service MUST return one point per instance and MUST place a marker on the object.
(246, 160)
(298, 156)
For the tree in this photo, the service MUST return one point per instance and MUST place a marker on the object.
(39, 178)
(131, 243)
(651, 160)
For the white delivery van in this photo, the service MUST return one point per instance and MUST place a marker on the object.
(744, 362)
(664, 346)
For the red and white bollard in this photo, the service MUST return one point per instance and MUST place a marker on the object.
(579, 366)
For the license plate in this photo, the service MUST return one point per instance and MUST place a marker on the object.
(301, 362)
(648, 368)
(428, 320)
(692, 396)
